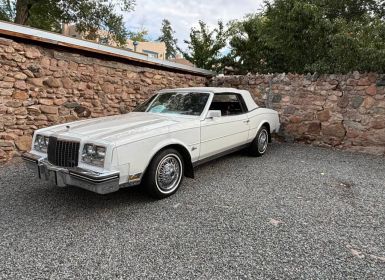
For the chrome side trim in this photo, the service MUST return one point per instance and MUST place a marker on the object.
(221, 154)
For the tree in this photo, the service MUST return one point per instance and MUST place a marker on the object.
(350, 10)
(139, 36)
(297, 32)
(249, 50)
(89, 16)
(335, 36)
(204, 47)
(168, 38)
(358, 45)
(7, 9)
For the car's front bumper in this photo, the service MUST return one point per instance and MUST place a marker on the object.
(101, 183)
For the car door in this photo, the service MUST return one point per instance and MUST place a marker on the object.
(228, 131)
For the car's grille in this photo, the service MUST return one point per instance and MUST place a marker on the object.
(63, 153)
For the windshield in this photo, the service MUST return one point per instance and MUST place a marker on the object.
(185, 103)
(143, 107)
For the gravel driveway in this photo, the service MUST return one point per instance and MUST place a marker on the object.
(299, 212)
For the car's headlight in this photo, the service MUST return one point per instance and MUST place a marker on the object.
(93, 154)
(41, 143)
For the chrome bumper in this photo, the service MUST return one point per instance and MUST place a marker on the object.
(101, 183)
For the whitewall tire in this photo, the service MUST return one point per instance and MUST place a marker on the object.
(165, 173)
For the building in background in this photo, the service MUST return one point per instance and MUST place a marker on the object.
(151, 49)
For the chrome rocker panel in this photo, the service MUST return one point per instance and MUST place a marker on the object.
(101, 183)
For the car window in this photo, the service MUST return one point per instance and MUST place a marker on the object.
(143, 106)
(228, 103)
(185, 103)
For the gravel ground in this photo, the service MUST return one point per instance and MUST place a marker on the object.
(299, 212)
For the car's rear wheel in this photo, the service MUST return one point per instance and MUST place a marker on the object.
(165, 173)
(259, 145)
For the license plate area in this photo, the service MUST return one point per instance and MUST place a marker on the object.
(52, 176)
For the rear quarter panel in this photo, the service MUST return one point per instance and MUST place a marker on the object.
(260, 116)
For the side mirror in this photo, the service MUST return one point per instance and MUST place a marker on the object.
(213, 114)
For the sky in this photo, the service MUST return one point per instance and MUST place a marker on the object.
(184, 14)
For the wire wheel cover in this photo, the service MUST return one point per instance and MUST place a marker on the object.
(168, 173)
(262, 141)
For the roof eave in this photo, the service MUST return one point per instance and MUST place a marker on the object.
(37, 35)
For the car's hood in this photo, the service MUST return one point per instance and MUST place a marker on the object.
(110, 129)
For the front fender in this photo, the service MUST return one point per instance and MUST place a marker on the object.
(136, 156)
(165, 143)
(180, 147)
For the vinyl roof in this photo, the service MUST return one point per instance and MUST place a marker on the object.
(37, 35)
(209, 89)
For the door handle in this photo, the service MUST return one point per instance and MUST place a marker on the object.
(247, 121)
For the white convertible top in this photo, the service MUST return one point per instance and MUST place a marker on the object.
(250, 103)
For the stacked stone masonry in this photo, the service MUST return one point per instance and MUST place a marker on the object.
(342, 111)
(43, 86)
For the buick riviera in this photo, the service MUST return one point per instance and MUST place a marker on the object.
(156, 145)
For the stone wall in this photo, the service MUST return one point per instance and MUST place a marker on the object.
(42, 86)
(343, 111)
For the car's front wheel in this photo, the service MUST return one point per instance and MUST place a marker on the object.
(259, 145)
(165, 173)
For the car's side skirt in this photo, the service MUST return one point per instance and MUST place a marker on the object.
(221, 154)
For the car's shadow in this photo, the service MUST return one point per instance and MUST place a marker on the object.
(44, 197)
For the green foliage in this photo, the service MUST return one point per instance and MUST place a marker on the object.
(335, 36)
(168, 38)
(7, 9)
(204, 46)
(249, 48)
(356, 46)
(44, 15)
(89, 16)
(350, 10)
(139, 36)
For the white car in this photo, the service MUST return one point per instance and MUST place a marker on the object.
(157, 144)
